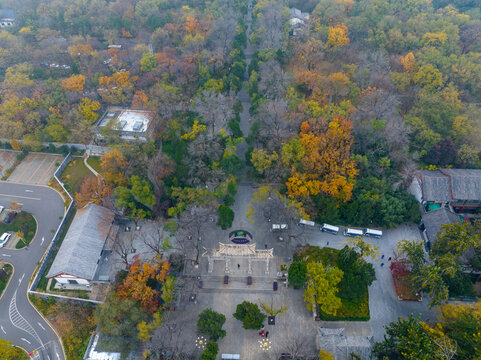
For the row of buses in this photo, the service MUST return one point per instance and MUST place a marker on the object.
(332, 229)
(351, 232)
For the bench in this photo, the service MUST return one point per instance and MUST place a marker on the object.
(230, 356)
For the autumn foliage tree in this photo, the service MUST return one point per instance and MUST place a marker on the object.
(140, 283)
(92, 190)
(74, 83)
(327, 165)
(337, 36)
(88, 108)
(113, 165)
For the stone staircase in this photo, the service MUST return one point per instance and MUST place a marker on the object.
(238, 284)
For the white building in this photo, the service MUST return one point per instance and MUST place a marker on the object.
(132, 124)
(7, 18)
(77, 260)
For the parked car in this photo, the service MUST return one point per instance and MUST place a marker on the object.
(4, 238)
(10, 216)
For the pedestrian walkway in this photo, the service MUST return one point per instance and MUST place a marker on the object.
(87, 164)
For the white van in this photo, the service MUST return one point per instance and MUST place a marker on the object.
(373, 233)
(307, 222)
(330, 229)
(353, 232)
(279, 227)
(4, 238)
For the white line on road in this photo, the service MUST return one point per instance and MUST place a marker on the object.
(20, 280)
(1, 326)
(26, 340)
(58, 356)
(6, 255)
(28, 190)
(41, 326)
(43, 239)
(48, 356)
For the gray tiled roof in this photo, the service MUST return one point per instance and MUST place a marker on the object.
(435, 186)
(83, 243)
(466, 183)
(341, 346)
(434, 219)
(451, 184)
(7, 14)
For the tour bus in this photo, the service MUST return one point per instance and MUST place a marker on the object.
(307, 222)
(373, 233)
(279, 227)
(353, 232)
(329, 228)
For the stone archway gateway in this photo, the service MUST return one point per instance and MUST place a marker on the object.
(226, 252)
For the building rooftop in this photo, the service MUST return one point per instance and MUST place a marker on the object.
(135, 121)
(83, 243)
(451, 184)
(433, 220)
(7, 14)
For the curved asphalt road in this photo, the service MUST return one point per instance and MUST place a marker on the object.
(19, 320)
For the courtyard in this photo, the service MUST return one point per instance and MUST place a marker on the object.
(295, 331)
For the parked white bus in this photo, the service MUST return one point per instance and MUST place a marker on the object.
(353, 232)
(279, 227)
(329, 228)
(307, 222)
(373, 233)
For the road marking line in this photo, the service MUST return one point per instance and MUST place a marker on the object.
(29, 165)
(6, 255)
(48, 356)
(35, 171)
(48, 170)
(20, 280)
(1, 326)
(41, 326)
(58, 356)
(19, 321)
(29, 191)
(26, 340)
(43, 239)
(20, 197)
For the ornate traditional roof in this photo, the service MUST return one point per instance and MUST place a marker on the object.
(239, 250)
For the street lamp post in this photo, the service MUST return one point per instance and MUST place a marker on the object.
(200, 342)
(265, 344)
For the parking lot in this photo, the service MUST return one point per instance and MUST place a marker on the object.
(7, 158)
(36, 169)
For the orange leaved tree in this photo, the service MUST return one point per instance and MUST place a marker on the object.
(327, 166)
(140, 283)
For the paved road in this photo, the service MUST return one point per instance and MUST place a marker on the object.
(19, 320)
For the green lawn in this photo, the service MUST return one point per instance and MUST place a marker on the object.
(5, 274)
(94, 161)
(350, 310)
(74, 174)
(23, 222)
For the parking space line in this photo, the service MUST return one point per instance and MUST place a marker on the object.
(21, 197)
(48, 170)
(35, 171)
(28, 166)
